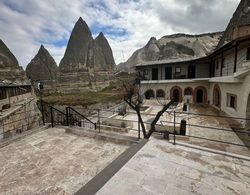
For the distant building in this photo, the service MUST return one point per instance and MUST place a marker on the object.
(18, 109)
(221, 79)
(11, 93)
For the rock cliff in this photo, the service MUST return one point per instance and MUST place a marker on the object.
(239, 24)
(42, 67)
(84, 54)
(176, 46)
(9, 67)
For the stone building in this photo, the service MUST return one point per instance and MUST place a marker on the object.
(221, 79)
(18, 109)
(12, 93)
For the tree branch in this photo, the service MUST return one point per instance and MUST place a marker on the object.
(156, 119)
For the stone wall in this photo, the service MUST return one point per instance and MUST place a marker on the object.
(20, 119)
(15, 99)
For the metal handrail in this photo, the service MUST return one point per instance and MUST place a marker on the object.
(58, 110)
(52, 117)
(209, 115)
(78, 113)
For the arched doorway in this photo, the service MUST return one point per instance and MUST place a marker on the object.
(200, 95)
(160, 93)
(149, 94)
(217, 96)
(176, 94)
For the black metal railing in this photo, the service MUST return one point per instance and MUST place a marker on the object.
(75, 118)
(173, 124)
(236, 126)
(57, 117)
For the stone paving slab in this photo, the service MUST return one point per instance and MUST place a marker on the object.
(53, 162)
(162, 168)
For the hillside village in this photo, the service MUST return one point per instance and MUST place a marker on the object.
(173, 119)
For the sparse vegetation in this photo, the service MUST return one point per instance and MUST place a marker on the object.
(113, 93)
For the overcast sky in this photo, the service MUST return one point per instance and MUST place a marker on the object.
(127, 24)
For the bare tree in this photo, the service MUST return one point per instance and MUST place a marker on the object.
(133, 98)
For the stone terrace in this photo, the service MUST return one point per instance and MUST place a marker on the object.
(53, 162)
(162, 168)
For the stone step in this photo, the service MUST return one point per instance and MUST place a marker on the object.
(103, 135)
(109, 128)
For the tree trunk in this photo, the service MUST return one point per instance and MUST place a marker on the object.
(142, 123)
(156, 119)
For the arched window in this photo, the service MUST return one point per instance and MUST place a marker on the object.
(160, 93)
(176, 94)
(188, 91)
(149, 94)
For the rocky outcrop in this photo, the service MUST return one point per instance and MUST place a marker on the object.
(177, 46)
(42, 67)
(239, 24)
(84, 54)
(106, 50)
(9, 67)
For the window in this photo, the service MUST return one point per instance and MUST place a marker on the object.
(178, 70)
(160, 93)
(248, 53)
(223, 62)
(217, 65)
(232, 101)
(188, 91)
(154, 73)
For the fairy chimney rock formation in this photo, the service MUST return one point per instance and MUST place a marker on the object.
(9, 67)
(42, 67)
(85, 56)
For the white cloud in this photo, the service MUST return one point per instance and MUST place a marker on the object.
(25, 24)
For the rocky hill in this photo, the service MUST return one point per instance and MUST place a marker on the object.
(239, 23)
(84, 54)
(42, 67)
(9, 67)
(176, 46)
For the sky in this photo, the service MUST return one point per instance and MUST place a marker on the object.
(127, 24)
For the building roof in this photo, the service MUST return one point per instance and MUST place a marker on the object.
(12, 84)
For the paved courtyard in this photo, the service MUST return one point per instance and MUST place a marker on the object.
(224, 133)
(53, 162)
(162, 168)
(213, 138)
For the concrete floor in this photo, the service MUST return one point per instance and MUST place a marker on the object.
(53, 162)
(162, 168)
